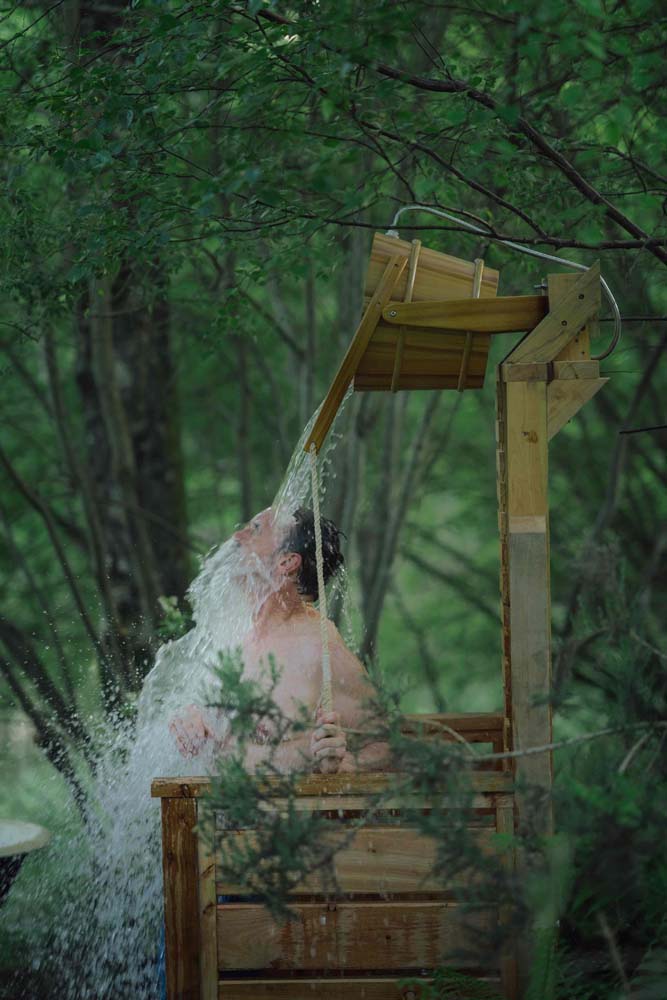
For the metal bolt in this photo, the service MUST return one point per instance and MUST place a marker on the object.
(392, 312)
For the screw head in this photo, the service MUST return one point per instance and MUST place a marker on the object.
(392, 312)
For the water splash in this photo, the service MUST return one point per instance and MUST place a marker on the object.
(97, 912)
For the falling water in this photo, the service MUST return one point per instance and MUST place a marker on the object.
(97, 913)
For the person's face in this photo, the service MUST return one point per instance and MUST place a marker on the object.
(260, 540)
(258, 537)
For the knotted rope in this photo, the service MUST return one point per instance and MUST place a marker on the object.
(326, 699)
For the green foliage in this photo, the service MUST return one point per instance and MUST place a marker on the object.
(247, 161)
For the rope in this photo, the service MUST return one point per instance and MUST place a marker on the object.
(326, 699)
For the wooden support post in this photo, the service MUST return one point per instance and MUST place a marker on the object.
(528, 638)
(508, 963)
(208, 944)
(181, 913)
(529, 590)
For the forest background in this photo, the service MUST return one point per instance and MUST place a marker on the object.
(189, 195)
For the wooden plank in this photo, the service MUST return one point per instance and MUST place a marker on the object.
(566, 397)
(505, 314)
(181, 912)
(385, 861)
(208, 941)
(563, 321)
(345, 373)
(361, 783)
(508, 961)
(340, 988)
(352, 936)
(526, 448)
(423, 349)
(531, 670)
(576, 369)
(579, 348)
(467, 723)
(527, 371)
(465, 359)
(412, 271)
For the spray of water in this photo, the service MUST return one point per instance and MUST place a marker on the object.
(98, 908)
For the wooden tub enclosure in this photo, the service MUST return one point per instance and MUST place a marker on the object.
(390, 919)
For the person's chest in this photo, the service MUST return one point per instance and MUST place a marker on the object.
(297, 667)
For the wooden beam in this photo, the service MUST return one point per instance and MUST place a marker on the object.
(181, 913)
(526, 371)
(576, 369)
(359, 783)
(507, 314)
(565, 397)
(345, 373)
(563, 321)
(526, 449)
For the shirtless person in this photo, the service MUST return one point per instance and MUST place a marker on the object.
(287, 626)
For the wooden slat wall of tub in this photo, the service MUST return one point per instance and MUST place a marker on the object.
(378, 860)
(340, 937)
(342, 988)
(391, 916)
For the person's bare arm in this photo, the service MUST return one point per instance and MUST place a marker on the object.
(352, 693)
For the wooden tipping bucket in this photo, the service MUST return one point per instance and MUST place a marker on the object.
(424, 358)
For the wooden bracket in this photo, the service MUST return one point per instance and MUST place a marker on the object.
(565, 397)
(563, 321)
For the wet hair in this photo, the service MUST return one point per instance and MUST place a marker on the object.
(301, 539)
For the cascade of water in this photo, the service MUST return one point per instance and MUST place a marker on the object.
(99, 912)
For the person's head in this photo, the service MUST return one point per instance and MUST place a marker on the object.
(300, 541)
(285, 548)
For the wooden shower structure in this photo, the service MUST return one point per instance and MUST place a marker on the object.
(427, 323)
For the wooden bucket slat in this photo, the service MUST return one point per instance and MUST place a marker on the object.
(384, 861)
(353, 936)
(439, 275)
